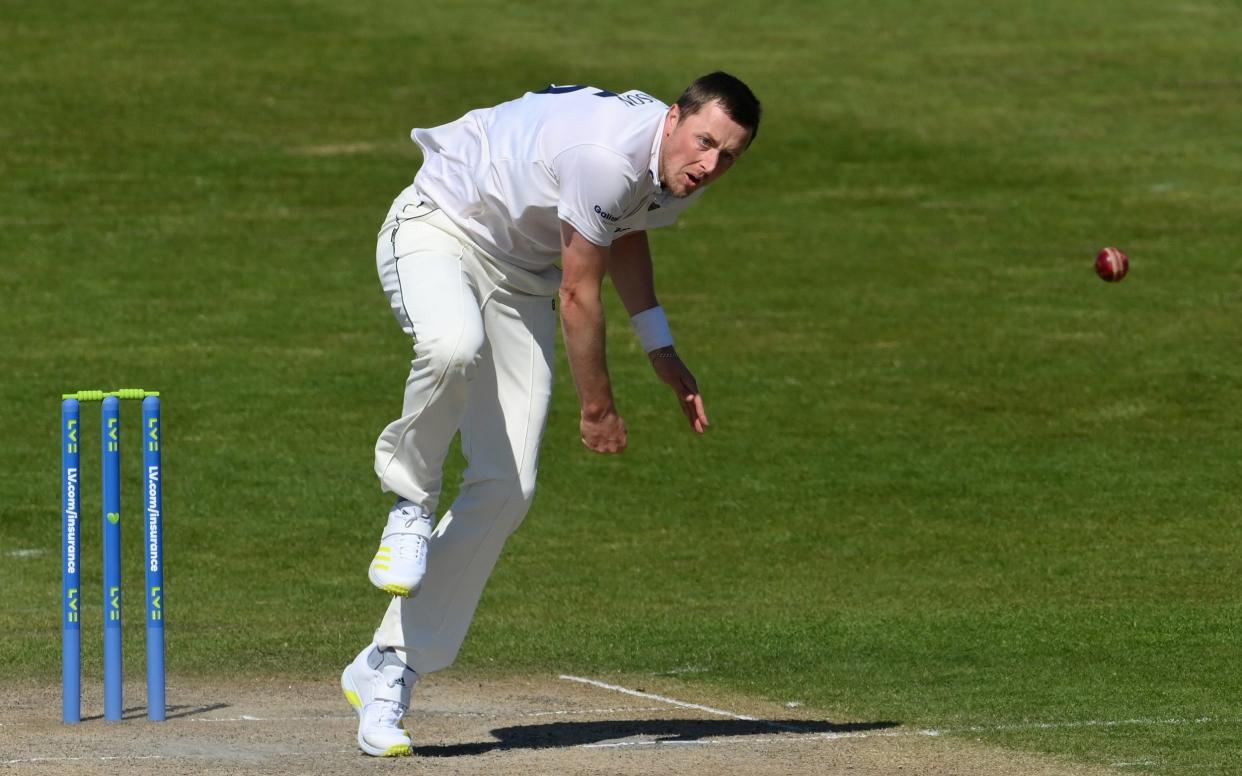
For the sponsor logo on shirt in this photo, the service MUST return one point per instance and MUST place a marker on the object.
(605, 215)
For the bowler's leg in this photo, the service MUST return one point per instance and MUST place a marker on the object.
(436, 302)
(501, 432)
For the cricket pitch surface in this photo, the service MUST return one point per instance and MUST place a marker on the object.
(536, 725)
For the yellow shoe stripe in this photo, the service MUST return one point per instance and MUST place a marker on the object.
(398, 750)
(353, 698)
(379, 566)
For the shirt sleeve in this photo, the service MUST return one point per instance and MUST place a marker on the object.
(596, 186)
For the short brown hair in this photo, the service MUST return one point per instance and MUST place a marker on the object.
(736, 99)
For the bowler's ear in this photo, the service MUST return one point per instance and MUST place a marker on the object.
(674, 115)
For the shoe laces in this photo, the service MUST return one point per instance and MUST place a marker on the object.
(411, 550)
(411, 514)
(388, 713)
(414, 546)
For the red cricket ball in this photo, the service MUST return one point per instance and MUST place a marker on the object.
(1112, 265)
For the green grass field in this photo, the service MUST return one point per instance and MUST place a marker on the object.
(953, 479)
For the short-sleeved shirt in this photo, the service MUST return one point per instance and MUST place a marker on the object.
(508, 175)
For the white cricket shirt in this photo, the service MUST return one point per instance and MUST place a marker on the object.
(508, 175)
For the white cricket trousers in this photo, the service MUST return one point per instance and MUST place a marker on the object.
(483, 355)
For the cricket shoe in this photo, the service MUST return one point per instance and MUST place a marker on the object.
(377, 684)
(401, 561)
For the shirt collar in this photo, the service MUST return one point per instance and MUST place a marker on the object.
(660, 196)
(654, 168)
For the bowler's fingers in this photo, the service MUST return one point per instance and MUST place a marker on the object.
(701, 411)
(692, 402)
(687, 409)
(700, 415)
(696, 413)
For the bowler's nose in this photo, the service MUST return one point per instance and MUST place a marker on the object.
(711, 162)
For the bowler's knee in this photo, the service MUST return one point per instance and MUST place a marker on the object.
(456, 357)
(520, 497)
(493, 504)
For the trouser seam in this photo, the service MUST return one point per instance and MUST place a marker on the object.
(439, 378)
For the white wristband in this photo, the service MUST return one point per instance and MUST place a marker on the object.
(652, 329)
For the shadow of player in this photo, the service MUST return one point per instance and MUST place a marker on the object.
(566, 734)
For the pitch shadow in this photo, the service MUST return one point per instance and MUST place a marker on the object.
(566, 734)
(171, 712)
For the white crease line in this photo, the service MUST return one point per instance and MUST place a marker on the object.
(661, 698)
(249, 718)
(431, 713)
(101, 758)
(524, 714)
(683, 704)
(203, 756)
(931, 732)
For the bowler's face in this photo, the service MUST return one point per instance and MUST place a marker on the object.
(699, 148)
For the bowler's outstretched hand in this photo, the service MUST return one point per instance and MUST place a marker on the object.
(670, 368)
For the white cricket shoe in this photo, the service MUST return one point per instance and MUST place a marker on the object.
(401, 561)
(377, 684)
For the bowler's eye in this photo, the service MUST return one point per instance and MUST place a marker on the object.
(703, 142)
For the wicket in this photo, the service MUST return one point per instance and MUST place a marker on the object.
(110, 432)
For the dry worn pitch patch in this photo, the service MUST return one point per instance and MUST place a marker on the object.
(539, 725)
